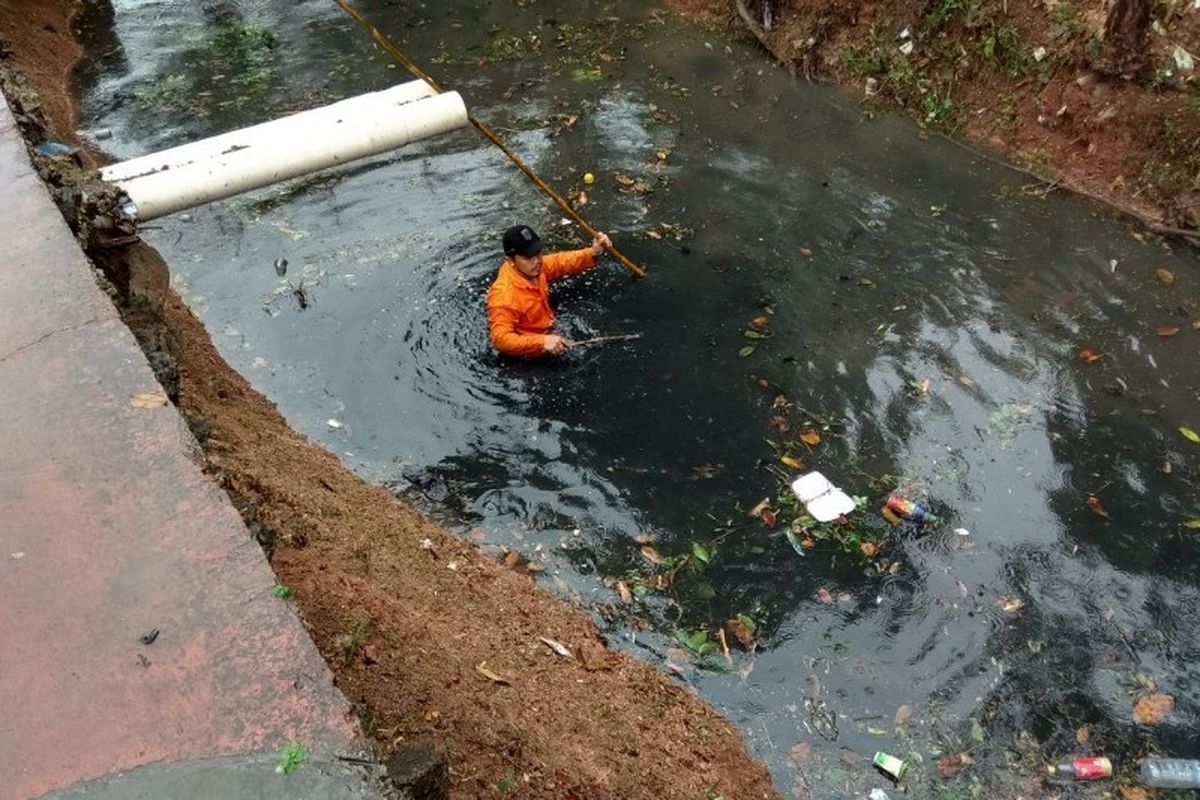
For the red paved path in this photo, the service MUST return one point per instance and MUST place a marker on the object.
(108, 530)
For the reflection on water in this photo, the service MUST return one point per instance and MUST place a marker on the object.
(883, 261)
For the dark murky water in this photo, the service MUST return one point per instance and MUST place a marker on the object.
(927, 264)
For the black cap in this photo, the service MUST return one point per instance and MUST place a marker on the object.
(522, 240)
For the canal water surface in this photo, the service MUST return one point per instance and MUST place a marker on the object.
(915, 311)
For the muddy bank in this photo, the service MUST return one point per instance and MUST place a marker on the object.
(36, 40)
(430, 638)
(1114, 114)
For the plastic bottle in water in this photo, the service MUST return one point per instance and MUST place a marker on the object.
(1171, 773)
(1082, 769)
(907, 509)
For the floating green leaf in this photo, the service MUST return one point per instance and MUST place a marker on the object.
(701, 553)
(698, 642)
(282, 591)
(1193, 524)
(748, 351)
(1190, 435)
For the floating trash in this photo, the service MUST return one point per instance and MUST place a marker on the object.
(823, 500)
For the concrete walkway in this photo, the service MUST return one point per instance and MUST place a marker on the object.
(110, 531)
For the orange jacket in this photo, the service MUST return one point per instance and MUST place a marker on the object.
(519, 313)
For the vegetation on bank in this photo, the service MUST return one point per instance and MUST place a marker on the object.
(1104, 98)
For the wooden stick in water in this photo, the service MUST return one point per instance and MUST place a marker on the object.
(391, 49)
(616, 337)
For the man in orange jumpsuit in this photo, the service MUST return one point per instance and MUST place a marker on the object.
(519, 315)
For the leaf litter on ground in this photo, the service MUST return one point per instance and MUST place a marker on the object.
(558, 647)
(483, 670)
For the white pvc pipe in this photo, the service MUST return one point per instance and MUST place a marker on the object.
(272, 131)
(324, 141)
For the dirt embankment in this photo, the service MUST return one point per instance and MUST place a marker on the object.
(1109, 113)
(429, 637)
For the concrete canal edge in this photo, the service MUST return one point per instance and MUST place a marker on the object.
(110, 531)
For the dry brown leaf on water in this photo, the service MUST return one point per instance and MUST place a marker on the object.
(1094, 505)
(148, 400)
(768, 517)
(800, 752)
(651, 554)
(1196, 324)
(724, 646)
(1090, 356)
(1082, 734)
(741, 631)
(1166, 330)
(951, 764)
(759, 508)
(903, 714)
(512, 559)
(868, 549)
(482, 669)
(623, 591)
(1151, 709)
(758, 323)
(810, 437)
(1165, 276)
(967, 382)
(1133, 793)
(1010, 605)
(805, 251)
(824, 596)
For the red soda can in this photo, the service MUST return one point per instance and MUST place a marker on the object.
(1083, 769)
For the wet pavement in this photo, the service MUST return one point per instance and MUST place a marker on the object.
(138, 621)
(1020, 627)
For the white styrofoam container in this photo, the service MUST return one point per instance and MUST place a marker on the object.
(823, 500)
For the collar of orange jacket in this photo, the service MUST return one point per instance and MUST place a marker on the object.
(515, 276)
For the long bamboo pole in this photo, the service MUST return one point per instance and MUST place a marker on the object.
(483, 128)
